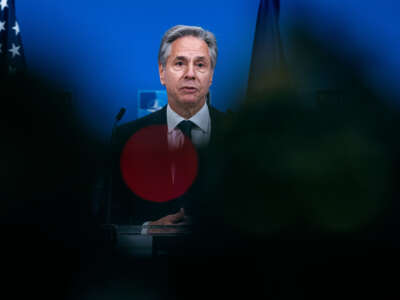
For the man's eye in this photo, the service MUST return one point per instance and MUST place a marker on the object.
(179, 63)
(200, 65)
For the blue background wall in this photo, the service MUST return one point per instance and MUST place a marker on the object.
(104, 51)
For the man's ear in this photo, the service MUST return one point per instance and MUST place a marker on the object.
(161, 71)
(211, 78)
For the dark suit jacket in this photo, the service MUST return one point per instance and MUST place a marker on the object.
(127, 207)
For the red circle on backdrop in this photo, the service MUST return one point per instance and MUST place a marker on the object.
(154, 172)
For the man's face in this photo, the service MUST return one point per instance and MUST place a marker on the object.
(187, 75)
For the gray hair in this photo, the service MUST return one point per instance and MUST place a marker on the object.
(179, 31)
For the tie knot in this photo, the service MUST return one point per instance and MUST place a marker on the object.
(186, 127)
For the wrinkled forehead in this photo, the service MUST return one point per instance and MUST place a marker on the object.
(189, 47)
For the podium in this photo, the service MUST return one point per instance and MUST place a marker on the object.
(148, 240)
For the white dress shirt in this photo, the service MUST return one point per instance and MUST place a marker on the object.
(200, 133)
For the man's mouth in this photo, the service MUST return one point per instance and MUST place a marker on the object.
(189, 89)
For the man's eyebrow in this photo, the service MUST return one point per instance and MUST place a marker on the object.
(180, 57)
(196, 58)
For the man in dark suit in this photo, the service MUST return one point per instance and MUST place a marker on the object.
(186, 60)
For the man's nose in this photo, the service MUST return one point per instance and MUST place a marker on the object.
(190, 72)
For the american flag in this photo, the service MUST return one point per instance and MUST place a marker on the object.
(12, 59)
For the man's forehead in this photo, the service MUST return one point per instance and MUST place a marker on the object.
(189, 46)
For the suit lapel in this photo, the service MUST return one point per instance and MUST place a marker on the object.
(161, 116)
(215, 123)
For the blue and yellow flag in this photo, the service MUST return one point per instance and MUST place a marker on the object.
(267, 62)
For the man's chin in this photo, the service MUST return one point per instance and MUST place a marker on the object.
(190, 102)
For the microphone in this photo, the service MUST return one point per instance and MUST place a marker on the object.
(118, 118)
(120, 114)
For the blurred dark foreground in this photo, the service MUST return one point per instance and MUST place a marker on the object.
(302, 200)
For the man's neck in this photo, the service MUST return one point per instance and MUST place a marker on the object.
(188, 111)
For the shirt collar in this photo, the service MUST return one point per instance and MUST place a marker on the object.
(201, 118)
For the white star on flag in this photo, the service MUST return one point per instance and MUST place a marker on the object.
(3, 4)
(12, 58)
(16, 28)
(14, 50)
